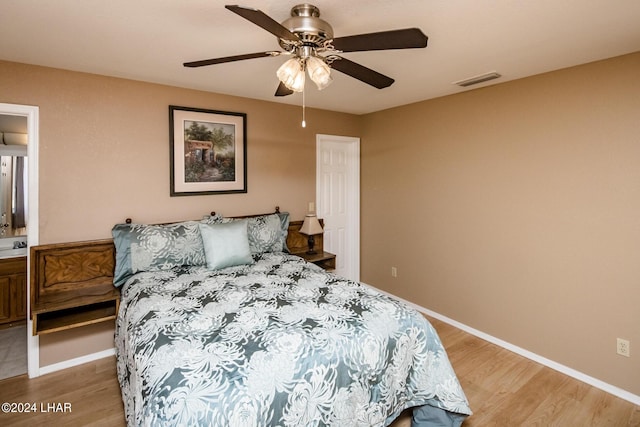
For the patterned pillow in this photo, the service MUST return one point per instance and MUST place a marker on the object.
(265, 234)
(284, 229)
(142, 247)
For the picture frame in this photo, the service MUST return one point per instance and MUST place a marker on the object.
(208, 151)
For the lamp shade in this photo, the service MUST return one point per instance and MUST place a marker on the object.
(311, 226)
(291, 74)
(319, 72)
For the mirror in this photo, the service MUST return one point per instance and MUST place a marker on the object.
(13, 176)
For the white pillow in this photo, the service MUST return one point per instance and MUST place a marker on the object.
(225, 244)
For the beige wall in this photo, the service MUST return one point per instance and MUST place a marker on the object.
(515, 209)
(104, 156)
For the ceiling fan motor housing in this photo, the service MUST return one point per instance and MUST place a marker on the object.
(305, 22)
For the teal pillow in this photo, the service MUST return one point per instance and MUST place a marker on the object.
(141, 247)
(226, 244)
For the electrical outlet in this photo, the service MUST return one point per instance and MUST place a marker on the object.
(394, 272)
(623, 347)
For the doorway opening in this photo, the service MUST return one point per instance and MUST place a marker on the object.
(19, 211)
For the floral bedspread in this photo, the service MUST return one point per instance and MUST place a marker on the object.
(279, 342)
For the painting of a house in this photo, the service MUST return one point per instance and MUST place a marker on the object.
(209, 151)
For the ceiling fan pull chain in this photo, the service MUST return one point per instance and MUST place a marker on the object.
(304, 122)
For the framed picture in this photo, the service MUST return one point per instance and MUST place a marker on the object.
(208, 151)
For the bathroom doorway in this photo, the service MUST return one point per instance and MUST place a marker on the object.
(19, 351)
(13, 245)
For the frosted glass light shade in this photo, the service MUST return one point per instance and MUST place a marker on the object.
(319, 72)
(291, 74)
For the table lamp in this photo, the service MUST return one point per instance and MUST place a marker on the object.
(311, 227)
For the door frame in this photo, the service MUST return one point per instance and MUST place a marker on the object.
(32, 113)
(353, 197)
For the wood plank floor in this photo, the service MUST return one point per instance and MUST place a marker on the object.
(503, 389)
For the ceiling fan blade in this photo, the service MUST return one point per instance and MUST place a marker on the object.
(264, 21)
(362, 73)
(222, 60)
(407, 38)
(283, 90)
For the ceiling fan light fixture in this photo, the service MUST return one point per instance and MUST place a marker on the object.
(319, 72)
(291, 74)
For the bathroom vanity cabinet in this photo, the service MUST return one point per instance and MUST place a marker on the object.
(13, 288)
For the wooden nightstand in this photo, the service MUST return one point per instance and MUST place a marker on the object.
(326, 260)
(72, 285)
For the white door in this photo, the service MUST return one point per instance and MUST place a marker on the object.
(338, 200)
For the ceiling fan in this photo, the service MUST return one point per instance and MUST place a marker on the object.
(309, 41)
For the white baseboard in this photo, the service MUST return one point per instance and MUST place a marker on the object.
(76, 361)
(611, 389)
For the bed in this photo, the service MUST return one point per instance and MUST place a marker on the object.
(219, 324)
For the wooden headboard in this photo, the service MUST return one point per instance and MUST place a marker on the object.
(71, 270)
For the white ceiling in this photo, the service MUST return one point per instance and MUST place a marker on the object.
(150, 39)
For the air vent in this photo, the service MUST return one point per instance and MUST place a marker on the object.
(477, 79)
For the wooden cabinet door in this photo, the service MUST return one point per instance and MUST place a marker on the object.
(19, 300)
(13, 289)
(5, 299)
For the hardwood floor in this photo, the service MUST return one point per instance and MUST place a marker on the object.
(503, 389)
(92, 390)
